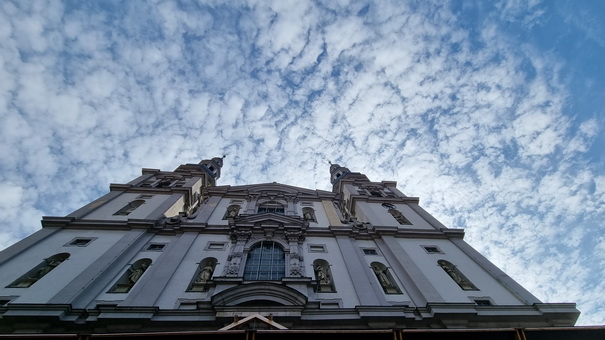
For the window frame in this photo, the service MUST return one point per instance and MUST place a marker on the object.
(258, 268)
(74, 242)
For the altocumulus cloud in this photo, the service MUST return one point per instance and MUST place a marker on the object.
(442, 97)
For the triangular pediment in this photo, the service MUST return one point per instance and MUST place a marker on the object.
(238, 324)
(269, 219)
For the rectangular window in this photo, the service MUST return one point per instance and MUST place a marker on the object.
(369, 251)
(156, 247)
(317, 248)
(483, 302)
(432, 249)
(80, 241)
(216, 246)
(144, 197)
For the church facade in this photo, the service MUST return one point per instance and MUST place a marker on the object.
(174, 251)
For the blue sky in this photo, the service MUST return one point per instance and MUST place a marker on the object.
(492, 112)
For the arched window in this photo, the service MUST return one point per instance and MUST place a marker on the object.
(39, 271)
(203, 275)
(386, 280)
(266, 261)
(309, 214)
(396, 214)
(130, 207)
(232, 212)
(271, 207)
(456, 275)
(323, 275)
(131, 276)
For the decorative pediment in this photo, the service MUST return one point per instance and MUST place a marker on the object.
(254, 318)
(269, 219)
(260, 292)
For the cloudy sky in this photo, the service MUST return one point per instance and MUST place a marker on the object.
(492, 112)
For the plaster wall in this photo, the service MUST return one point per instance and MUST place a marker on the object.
(107, 211)
(176, 289)
(143, 253)
(81, 257)
(379, 215)
(488, 286)
(379, 257)
(216, 217)
(342, 279)
(320, 214)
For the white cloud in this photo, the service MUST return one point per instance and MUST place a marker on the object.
(472, 121)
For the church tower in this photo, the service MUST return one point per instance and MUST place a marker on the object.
(175, 251)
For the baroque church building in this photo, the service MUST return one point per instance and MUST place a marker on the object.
(175, 252)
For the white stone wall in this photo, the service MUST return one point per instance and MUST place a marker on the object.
(106, 212)
(447, 287)
(80, 258)
(176, 290)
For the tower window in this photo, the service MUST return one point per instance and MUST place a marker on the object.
(376, 193)
(396, 214)
(130, 207)
(483, 302)
(432, 249)
(156, 247)
(266, 261)
(271, 207)
(369, 251)
(80, 241)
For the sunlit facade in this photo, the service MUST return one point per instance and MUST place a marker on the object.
(174, 251)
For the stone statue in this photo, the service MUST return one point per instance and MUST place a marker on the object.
(382, 276)
(205, 274)
(322, 276)
(308, 216)
(233, 211)
(135, 274)
(458, 277)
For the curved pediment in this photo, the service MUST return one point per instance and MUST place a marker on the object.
(265, 292)
(269, 219)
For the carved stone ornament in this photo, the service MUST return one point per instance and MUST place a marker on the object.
(240, 235)
(296, 270)
(294, 236)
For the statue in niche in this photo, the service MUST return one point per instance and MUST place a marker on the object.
(382, 276)
(205, 274)
(308, 214)
(233, 211)
(322, 276)
(456, 275)
(135, 274)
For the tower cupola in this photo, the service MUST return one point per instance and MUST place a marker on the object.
(213, 166)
